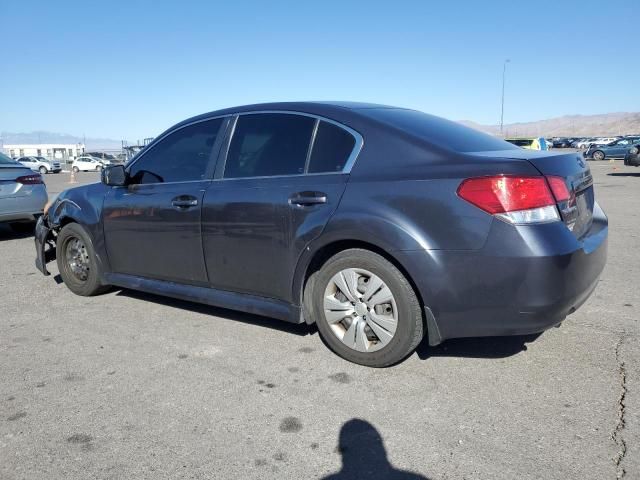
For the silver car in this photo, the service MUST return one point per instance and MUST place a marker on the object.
(23, 194)
(41, 164)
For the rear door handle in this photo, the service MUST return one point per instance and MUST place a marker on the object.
(306, 199)
(184, 201)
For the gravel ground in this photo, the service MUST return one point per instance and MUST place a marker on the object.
(129, 385)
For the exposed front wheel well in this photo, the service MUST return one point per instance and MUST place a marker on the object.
(328, 251)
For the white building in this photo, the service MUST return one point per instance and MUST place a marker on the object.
(58, 151)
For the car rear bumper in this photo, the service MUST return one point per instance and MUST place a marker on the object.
(23, 207)
(525, 280)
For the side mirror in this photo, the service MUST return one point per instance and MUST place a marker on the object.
(114, 176)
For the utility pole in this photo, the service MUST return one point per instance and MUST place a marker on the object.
(504, 71)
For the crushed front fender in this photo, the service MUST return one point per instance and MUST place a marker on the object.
(45, 244)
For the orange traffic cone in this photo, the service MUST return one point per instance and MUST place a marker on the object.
(72, 177)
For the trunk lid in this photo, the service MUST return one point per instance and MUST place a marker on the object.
(577, 212)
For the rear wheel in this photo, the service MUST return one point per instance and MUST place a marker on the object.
(77, 261)
(598, 155)
(365, 309)
(75, 169)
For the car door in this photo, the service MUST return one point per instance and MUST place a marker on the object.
(271, 197)
(29, 163)
(618, 148)
(152, 226)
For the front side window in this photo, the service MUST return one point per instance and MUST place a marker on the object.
(331, 148)
(269, 144)
(182, 156)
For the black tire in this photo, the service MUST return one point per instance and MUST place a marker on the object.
(598, 155)
(91, 285)
(75, 169)
(23, 227)
(410, 327)
(43, 170)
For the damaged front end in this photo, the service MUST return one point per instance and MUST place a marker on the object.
(45, 238)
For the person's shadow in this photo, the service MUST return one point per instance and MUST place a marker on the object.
(364, 456)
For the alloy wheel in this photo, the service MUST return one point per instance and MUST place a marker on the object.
(77, 259)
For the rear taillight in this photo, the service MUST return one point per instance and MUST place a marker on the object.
(559, 188)
(514, 199)
(30, 180)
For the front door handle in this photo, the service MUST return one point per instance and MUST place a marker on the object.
(184, 201)
(306, 199)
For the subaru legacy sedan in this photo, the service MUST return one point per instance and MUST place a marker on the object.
(381, 225)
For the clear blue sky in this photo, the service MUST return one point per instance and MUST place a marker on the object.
(130, 69)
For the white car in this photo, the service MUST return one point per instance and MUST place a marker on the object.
(605, 140)
(595, 141)
(40, 164)
(86, 164)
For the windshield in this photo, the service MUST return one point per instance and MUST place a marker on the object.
(5, 160)
(42, 159)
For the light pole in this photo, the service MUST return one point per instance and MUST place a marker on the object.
(504, 71)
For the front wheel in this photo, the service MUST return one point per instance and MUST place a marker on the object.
(75, 169)
(77, 261)
(43, 170)
(365, 309)
(598, 155)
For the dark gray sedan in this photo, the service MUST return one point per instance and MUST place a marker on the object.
(379, 224)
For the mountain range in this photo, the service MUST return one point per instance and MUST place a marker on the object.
(606, 124)
(39, 137)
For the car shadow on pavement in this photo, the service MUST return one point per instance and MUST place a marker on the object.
(301, 329)
(624, 174)
(7, 233)
(481, 347)
(364, 455)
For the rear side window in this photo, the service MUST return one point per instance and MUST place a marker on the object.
(182, 156)
(331, 148)
(269, 144)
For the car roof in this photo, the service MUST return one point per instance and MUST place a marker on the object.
(330, 109)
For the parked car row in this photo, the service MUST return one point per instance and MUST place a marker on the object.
(615, 149)
(583, 143)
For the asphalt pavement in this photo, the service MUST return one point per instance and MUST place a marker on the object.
(128, 385)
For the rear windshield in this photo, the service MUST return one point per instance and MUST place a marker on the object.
(6, 160)
(438, 131)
